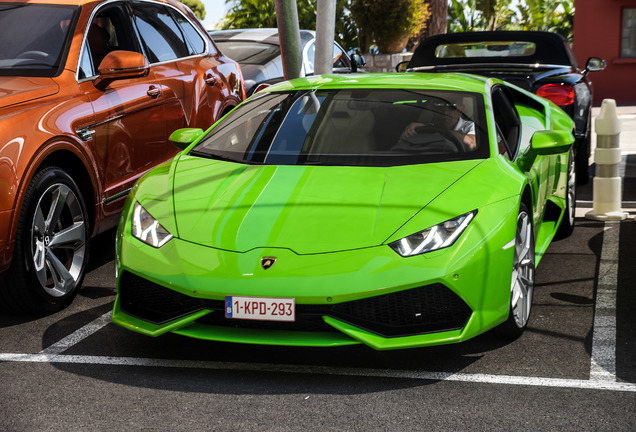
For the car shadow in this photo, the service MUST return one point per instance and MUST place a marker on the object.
(99, 281)
(230, 363)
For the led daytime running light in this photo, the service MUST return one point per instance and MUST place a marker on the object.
(437, 237)
(147, 229)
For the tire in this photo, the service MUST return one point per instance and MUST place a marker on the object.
(582, 158)
(567, 221)
(51, 248)
(522, 281)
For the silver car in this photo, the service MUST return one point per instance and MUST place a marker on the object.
(258, 53)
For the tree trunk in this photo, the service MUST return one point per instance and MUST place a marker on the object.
(436, 23)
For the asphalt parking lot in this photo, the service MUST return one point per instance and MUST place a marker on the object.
(574, 369)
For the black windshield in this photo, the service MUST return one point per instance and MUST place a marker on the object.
(33, 38)
(354, 127)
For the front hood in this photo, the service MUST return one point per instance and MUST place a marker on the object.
(308, 209)
(15, 90)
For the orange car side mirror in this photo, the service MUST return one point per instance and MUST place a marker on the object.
(120, 65)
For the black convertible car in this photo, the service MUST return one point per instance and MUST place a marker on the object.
(540, 62)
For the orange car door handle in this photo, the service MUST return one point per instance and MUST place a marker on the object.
(210, 79)
(153, 91)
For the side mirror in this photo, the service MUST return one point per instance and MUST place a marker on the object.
(121, 65)
(543, 143)
(357, 61)
(594, 64)
(402, 66)
(182, 138)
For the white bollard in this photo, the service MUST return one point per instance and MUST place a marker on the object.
(607, 193)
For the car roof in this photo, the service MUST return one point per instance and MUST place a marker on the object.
(551, 48)
(265, 35)
(415, 80)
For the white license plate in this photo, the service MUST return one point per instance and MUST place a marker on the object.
(260, 308)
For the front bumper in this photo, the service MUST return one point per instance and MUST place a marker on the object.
(371, 295)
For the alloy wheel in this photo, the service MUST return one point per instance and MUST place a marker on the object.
(58, 240)
(571, 191)
(523, 271)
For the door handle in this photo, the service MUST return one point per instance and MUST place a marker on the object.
(154, 91)
(210, 80)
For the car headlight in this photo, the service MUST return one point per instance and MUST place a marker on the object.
(437, 237)
(147, 229)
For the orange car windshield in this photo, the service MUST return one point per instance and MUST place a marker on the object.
(33, 38)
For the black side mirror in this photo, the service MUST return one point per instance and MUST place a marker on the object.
(357, 61)
(402, 66)
(594, 64)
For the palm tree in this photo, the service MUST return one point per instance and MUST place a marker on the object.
(262, 14)
(472, 15)
(547, 15)
(250, 14)
(196, 6)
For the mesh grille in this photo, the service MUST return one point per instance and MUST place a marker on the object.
(419, 310)
(152, 302)
(425, 309)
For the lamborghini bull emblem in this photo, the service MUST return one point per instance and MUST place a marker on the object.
(267, 262)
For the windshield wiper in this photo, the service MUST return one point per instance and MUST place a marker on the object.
(11, 7)
(221, 157)
(213, 156)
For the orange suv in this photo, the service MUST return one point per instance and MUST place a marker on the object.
(89, 94)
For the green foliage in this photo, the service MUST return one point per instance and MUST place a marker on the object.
(546, 15)
(387, 22)
(196, 6)
(262, 14)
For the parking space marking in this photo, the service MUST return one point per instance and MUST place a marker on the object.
(78, 335)
(325, 370)
(603, 361)
(602, 367)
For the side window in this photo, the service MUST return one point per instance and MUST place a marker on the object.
(339, 58)
(195, 42)
(160, 34)
(507, 122)
(310, 57)
(109, 31)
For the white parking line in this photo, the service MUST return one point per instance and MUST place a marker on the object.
(325, 370)
(78, 335)
(602, 368)
(603, 361)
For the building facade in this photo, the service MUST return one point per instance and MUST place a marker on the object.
(607, 29)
